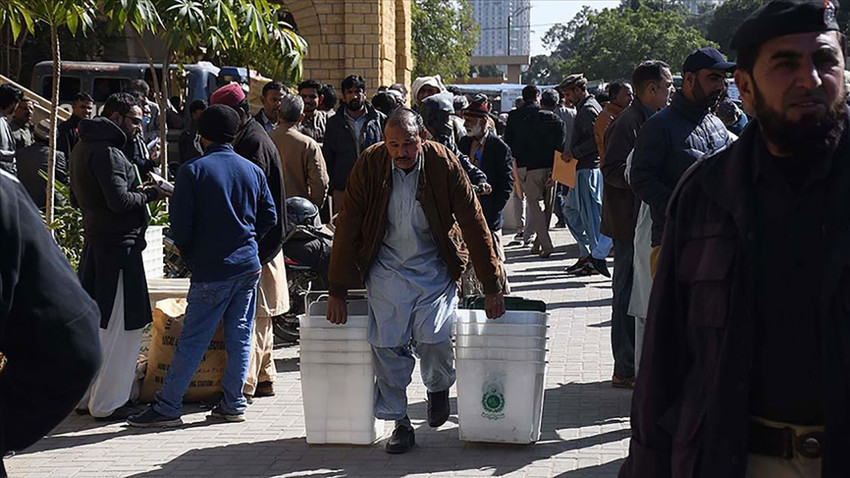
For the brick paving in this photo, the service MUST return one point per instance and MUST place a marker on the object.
(585, 421)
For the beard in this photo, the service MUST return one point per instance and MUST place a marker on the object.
(707, 100)
(807, 135)
(354, 105)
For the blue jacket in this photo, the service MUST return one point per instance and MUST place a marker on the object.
(667, 145)
(221, 207)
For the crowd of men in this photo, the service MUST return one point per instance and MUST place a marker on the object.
(732, 333)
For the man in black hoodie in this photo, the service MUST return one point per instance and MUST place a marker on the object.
(253, 143)
(107, 188)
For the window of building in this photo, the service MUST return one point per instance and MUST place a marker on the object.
(102, 88)
(69, 86)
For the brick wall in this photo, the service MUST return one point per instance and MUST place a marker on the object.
(370, 38)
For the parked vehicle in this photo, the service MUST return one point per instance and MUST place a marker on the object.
(101, 79)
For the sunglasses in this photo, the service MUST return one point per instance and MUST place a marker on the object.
(135, 120)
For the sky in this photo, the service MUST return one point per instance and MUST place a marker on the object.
(545, 13)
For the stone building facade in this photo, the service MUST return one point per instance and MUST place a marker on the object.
(370, 38)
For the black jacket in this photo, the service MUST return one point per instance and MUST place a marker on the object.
(668, 144)
(495, 162)
(534, 135)
(341, 149)
(691, 401)
(583, 145)
(186, 145)
(48, 326)
(67, 135)
(619, 208)
(252, 142)
(32, 160)
(476, 176)
(104, 185)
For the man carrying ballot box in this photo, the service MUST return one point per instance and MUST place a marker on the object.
(406, 204)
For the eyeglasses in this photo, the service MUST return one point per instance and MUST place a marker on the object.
(136, 120)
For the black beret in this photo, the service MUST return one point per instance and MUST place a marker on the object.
(219, 124)
(785, 17)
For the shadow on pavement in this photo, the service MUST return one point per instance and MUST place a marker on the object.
(608, 470)
(537, 286)
(286, 364)
(295, 457)
(576, 405)
(580, 303)
(58, 440)
(437, 450)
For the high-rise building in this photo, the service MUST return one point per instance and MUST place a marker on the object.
(694, 6)
(505, 27)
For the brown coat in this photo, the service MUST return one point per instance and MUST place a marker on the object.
(449, 204)
(304, 171)
(605, 118)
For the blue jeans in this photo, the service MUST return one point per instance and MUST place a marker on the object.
(232, 301)
(393, 370)
(572, 216)
(589, 198)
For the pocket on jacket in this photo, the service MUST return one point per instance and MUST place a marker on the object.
(705, 265)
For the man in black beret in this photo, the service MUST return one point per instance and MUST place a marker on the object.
(746, 363)
(221, 209)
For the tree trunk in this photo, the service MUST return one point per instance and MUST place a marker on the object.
(157, 91)
(162, 100)
(54, 108)
(19, 48)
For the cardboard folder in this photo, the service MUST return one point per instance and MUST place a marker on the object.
(564, 173)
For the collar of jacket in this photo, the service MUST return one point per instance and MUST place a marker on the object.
(639, 106)
(693, 112)
(218, 147)
(614, 109)
(370, 113)
(583, 101)
(264, 119)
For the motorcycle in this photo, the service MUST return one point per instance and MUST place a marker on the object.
(306, 251)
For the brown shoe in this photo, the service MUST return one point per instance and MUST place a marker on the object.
(623, 382)
(264, 389)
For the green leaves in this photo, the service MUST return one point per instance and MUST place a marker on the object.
(76, 15)
(17, 15)
(444, 35)
(609, 44)
(258, 37)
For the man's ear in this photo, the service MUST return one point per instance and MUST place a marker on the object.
(115, 117)
(746, 89)
(423, 135)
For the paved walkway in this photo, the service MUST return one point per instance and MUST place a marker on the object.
(585, 421)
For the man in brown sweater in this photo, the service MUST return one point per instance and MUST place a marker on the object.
(406, 204)
(304, 171)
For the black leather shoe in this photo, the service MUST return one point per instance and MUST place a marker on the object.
(580, 263)
(402, 439)
(438, 408)
(600, 266)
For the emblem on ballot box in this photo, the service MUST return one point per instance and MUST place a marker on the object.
(493, 400)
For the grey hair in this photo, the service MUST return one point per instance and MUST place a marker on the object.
(291, 108)
(407, 119)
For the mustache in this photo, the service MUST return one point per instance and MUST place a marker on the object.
(817, 94)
